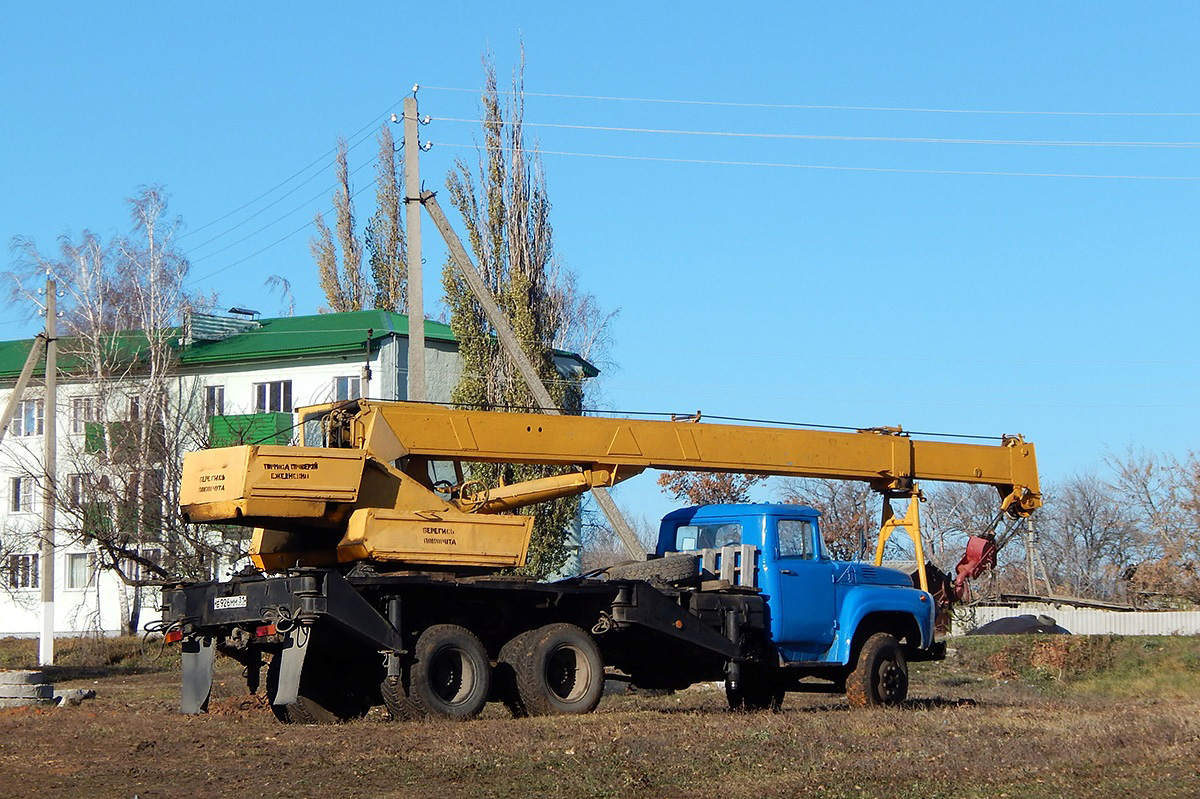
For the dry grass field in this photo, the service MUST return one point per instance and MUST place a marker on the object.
(1002, 717)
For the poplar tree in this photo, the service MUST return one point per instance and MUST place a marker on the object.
(339, 252)
(386, 252)
(343, 283)
(506, 213)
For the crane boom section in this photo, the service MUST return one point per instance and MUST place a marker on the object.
(890, 462)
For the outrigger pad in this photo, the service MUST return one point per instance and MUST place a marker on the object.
(291, 662)
(198, 656)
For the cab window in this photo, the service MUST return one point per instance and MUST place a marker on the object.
(796, 539)
(707, 536)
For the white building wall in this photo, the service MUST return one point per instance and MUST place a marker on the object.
(98, 607)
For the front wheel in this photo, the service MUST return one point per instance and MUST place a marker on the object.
(880, 676)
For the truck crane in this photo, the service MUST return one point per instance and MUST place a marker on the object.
(382, 571)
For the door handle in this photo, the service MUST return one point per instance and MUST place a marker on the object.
(788, 572)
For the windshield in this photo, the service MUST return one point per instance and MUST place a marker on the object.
(707, 536)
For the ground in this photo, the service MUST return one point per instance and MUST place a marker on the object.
(1003, 717)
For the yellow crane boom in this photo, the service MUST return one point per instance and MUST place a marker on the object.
(368, 492)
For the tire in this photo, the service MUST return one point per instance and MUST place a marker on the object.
(395, 699)
(880, 675)
(512, 654)
(322, 698)
(558, 671)
(451, 675)
(671, 569)
(755, 691)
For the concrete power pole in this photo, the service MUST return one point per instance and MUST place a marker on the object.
(508, 341)
(49, 478)
(412, 220)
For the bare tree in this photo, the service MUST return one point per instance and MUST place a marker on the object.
(1160, 493)
(1089, 533)
(709, 488)
(131, 414)
(849, 512)
(601, 545)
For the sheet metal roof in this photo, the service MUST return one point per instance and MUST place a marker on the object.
(276, 339)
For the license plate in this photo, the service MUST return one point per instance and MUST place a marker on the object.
(228, 602)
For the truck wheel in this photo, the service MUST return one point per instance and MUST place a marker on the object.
(322, 698)
(450, 676)
(558, 671)
(511, 655)
(754, 692)
(880, 676)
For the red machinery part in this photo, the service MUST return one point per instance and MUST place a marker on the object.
(981, 556)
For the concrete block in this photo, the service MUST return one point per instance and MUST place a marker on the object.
(43, 691)
(17, 677)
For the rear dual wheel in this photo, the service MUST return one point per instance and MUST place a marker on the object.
(449, 678)
(552, 670)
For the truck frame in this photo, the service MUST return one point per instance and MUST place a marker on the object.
(376, 566)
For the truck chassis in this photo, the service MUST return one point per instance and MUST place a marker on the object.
(429, 644)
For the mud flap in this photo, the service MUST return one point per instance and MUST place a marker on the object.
(198, 656)
(291, 662)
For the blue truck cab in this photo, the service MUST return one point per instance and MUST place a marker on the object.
(820, 612)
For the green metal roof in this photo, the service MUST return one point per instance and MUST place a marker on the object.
(319, 334)
(276, 339)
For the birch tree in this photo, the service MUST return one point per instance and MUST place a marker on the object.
(127, 413)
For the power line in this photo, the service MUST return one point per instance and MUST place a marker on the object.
(278, 241)
(834, 168)
(808, 107)
(284, 182)
(274, 203)
(817, 137)
(254, 233)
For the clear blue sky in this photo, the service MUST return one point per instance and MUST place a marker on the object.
(1061, 308)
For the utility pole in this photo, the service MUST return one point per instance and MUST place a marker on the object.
(508, 341)
(49, 479)
(412, 221)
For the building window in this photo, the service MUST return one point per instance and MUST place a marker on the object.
(273, 397)
(29, 419)
(75, 489)
(81, 567)
(83, 410)
(22, 491)
(214, 401)
(135, 409)
(137, 571)
(347, 388)
(22, 571)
